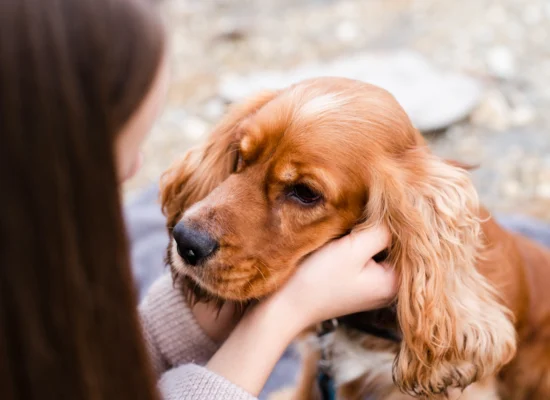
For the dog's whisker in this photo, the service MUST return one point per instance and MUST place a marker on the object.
(260, 271)
(265, 266)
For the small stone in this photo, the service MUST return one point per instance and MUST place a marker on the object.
(470, 146)
(543, 190)
(214, 109)
(511, 188)
(347, 31)
(522, 116)
(194, 128)
(501, 62)
(230, 31)
(493, 112)
(232, 35)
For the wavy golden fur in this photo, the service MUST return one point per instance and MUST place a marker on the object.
(461, 304)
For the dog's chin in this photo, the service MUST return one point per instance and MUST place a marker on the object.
(213, 282)
(196, 292)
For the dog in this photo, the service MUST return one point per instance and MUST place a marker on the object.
(290, 170)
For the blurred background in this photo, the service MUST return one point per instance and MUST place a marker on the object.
(473, 74)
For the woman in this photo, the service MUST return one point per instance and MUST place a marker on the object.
(81, 82)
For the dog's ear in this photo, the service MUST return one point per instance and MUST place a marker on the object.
(204, 167)
(455, 330)
(462, 165)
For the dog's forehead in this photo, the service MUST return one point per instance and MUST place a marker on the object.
(332, 166)
(342, 125)
(315, 124)
(356, 114)
(332, 144)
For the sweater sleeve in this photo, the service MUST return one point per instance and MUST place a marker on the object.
(171, 331)
(192, 382)
(178, 346)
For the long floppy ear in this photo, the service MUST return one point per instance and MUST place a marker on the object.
(204, 167)
(455, 329)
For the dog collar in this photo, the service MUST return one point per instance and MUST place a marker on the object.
(364, 326)
(324, 380)
(327, 327)
(387, 334)
(326, 386)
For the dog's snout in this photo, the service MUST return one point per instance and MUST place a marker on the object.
(193, 245)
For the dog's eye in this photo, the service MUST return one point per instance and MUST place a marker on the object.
(304, 194)
(382, 256)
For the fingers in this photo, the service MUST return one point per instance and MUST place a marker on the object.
(367, 243)
(379, 283)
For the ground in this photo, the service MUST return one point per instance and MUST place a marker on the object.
(502, 43)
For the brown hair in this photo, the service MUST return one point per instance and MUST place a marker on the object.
(71, 74)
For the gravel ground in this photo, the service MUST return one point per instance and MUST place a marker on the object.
(502, 43)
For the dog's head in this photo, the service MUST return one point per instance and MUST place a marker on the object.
(288, 171)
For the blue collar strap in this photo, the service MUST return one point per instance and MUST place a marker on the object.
(326, 386)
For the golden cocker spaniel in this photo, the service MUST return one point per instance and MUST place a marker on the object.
(290, 170)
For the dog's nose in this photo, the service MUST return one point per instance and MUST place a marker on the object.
(193, 245)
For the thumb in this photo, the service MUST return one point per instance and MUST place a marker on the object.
(378, 281)
(365, 244)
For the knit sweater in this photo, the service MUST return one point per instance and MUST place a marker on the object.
(179, 348)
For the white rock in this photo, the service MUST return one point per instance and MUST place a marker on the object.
(194, 128)
(214, 109)
(496, 112)
(522, 116)
(347, 31)
(511, 188)
(501, 62)
(433, 99)
(543, 190)
(493, 112)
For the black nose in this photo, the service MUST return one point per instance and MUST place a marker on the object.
(193, 245)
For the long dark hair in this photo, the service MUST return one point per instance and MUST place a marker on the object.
(71, 74)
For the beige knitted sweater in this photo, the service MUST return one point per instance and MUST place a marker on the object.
(179, 348)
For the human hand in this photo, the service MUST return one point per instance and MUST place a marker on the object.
(340, 278)
(218, 324)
